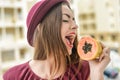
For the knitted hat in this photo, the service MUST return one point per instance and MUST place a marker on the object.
(36, 15)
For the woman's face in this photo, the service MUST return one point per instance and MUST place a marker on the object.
(69, 28)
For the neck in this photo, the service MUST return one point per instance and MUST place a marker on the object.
(43, 68)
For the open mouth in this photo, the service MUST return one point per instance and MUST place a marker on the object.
(70, 40)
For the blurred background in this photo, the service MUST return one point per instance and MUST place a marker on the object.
(98, 18)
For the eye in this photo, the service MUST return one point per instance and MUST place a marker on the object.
(65, 21)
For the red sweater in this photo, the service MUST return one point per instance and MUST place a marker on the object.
(24, 72)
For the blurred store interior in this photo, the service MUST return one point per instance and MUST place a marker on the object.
(98, 18)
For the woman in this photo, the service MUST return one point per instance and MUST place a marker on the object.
(52, 32)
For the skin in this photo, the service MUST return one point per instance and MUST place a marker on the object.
(98, 66)
(69, 28)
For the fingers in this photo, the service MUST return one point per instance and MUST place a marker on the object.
(105, 54)
(101, 62)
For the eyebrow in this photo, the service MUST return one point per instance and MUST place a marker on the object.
(67, 15)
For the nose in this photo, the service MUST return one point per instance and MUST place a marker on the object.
(74, 26)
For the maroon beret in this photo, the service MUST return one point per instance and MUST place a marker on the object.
(36, 14)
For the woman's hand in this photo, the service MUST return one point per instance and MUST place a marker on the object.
(98, 66)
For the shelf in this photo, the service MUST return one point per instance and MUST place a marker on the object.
(10, 34)
(9, 15)
(8, 25)
(114, 37)
(91, 27)
(0, 16)
(87, 16)
(0, 34)
(14, 55)
(24, 53)
(14, 48)
(104, 36)
(7, 55)
(16, 24)
(19, 33)
(19, 14)
(9, 64)
(10, 3)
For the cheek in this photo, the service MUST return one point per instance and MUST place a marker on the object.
(63, 32)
